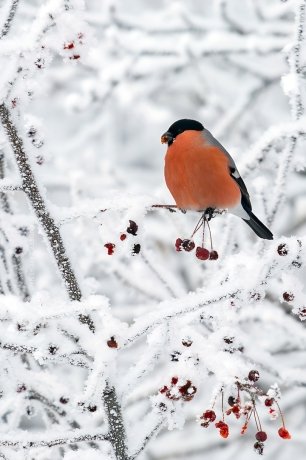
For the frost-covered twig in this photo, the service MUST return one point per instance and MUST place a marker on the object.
(35, 197)
(49, 441)
(116, 430)
(147, 439)
(7, 24)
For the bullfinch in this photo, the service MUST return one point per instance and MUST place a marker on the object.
(201, 174)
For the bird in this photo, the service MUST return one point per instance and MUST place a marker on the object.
(201, 174)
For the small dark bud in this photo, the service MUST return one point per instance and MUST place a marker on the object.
(53, 349)
(18, 250)
(282, 249)
(92, 408)
(136, 249)
(64, 400)
(21, 388)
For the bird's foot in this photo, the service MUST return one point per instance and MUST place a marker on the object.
(209, 213)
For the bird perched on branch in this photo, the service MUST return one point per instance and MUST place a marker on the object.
(201, 174)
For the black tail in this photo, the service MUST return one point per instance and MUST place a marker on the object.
(258, 227)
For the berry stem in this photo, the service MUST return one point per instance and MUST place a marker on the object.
(222, 404)
(257, 419)
(281, 414)
(210, 237)
(204, 223)
(197, 227)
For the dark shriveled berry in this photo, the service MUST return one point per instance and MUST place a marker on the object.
(188, 245)
(132, 228)
(232, 401)
(259, 447)
(187, 342)
(91, 408)
(253, 376)
(112, 343)
(63, 400)
(288, 296)
(282, 249)
(136, 249)
(213, 255)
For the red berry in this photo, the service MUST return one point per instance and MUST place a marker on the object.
(236, 409)
(253, 375)
(112, 343)
(202, 253)
(178, 244)
(220, 424)
(68, 46)
(223, 429)
(110, 248)
(261, 436)
(188, 245)
(122, 236)
(213, 255)
(132, 228)
(209, 415)
(164, 389)
(283, 433)
(174, 380)
(224, 432)
(269, 402)
(187, 391)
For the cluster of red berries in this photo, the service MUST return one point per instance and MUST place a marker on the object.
(72, 45)
(246, 410)
(201, 252)
(177, 392)
(132, 230)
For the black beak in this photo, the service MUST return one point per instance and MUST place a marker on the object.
(167, 138)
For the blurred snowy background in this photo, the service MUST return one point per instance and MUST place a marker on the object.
(90, 87)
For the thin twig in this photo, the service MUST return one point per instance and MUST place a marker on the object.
(10, 18)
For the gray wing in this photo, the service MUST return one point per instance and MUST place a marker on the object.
(245, 197)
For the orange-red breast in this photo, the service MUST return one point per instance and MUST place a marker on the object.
(201, 174)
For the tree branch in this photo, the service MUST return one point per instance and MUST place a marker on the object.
(56, 441)
(10, 18)
(116, 428)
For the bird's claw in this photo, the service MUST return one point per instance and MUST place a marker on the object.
(209, 213)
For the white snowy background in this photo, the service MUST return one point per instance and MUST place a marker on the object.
(88, 87)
